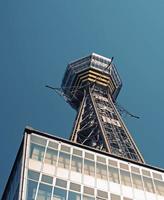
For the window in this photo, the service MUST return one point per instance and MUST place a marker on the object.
(74, 196)
(76, 164)
(44, 192)
(135, 170)
(115, 197)
(102, 194)
(125, 178)
(89, 191)
(65, 148)
(137, 181)
(89, 156)
(59, 194)
(51, 156)
(157, 176)
(89, 167)
(145, 172)
(37, 152)
(64, 160)
(112, 163)
(159, 187)
(101, 159)
(33, 175)
(75, 187)
(113, 175)
(148, 184)
(101, 171)
(47, 179)
(88, 198)
(31, 190)
(61, 183)
(53, 145)
(38, 140)
(77, 152)
(124, 166)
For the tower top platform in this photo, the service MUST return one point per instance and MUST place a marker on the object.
(87, 71)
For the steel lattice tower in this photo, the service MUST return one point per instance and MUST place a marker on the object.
(91, 86)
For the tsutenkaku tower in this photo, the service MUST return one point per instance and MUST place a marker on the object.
(91, 86)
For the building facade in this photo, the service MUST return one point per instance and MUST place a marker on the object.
(100, 161)
(52, 168)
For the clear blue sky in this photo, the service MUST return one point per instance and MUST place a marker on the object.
(37, 40)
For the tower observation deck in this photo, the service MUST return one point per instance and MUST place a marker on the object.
(91, 86)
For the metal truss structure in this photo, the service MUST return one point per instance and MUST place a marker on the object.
(91, 87)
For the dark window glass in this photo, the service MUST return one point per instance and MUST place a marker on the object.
(64, 160)
(76, 164)
(59, 194)
(74, 196)
(37, 152)
(31, 190)
(33, 175)
(44, 192)
(51, 156)
(88, 198)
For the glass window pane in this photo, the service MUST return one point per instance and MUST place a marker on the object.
(137, 181)
(88, 198)
(115, 197)
(44, 192)
(148, 184)
(159, 187)
(61, 183)
(74, 196)
(77, 152)
(75, 187)
(31, 190)
(113, 175)
(38, 140)
(102, 194)
(33, 175)
(51, 156)
(89, 156)
(65, 148)
(145, 172)
(53, 145)
(157, 176)
(112, 163)
(135, 170)
(101, 171)
(64, 160)
(88, 190)
(89, 167)
(125, 178)
(37, 152)
(101, 159)
(47, 179)
(59, 194)
(76, 164)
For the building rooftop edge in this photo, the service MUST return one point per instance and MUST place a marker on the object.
(30, 130)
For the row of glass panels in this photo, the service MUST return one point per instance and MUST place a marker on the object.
(39, 188)
(89, 167)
